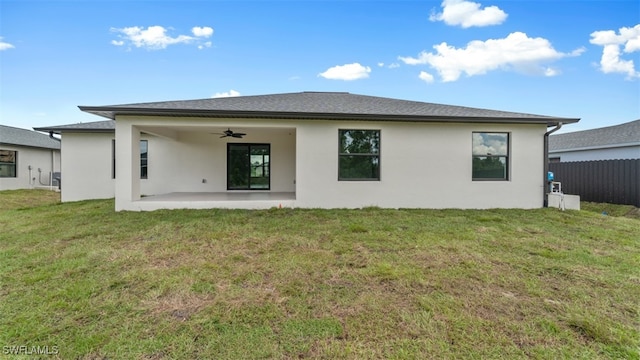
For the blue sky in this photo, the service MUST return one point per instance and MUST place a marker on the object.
(560, 58)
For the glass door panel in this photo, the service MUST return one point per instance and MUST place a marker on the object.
(248, 167)
(259, 167)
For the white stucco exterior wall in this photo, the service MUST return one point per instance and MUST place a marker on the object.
(174, 165)
(86, 166)
(47, 160)
(422, 166)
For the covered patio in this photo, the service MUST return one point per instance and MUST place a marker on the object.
(195, 164)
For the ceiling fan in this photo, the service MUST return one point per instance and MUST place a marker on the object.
(229, 133)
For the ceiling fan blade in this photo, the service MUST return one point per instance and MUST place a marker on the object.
(230, 133)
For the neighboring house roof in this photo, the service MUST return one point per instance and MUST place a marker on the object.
(22, 137)
(627, 134)
(322, 105)
(94, 126)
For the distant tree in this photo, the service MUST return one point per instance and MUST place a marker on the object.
(359, 154)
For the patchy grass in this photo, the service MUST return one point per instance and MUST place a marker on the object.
(24, 199)
(611, 209)
(283, 283)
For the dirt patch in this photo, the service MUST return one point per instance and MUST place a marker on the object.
(179, 306)
(634, 213)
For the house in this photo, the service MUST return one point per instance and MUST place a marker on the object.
(308, 150)
(599, 165)
(605, 143)
(28, 159)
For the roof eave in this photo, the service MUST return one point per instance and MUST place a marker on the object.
(59, 131)
(112, 112)
(30, 146)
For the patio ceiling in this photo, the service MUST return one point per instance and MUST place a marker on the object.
(172, 131)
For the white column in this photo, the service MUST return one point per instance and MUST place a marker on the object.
(127, 165)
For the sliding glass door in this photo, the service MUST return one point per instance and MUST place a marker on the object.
(248, 166)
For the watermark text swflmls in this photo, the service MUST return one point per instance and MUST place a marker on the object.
(30, 350)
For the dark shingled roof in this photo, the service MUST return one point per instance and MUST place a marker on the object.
(321, 105)
(22, 137)
(95, 126)
(610, 136)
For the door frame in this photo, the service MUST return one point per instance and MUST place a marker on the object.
(248, 145)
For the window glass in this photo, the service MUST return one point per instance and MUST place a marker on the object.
(144, 155)
(113, 158)
(490, 156)
(144, 151)
(359, 167)
(359, 155)
(8, 163)
(359, 141)
(248, 166)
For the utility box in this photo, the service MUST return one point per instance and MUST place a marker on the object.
(564, 201)
(56, 180)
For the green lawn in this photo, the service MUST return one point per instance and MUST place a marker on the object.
(85, 282)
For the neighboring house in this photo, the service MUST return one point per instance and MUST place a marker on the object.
(28, 159)
(309, 150)
(606, 143)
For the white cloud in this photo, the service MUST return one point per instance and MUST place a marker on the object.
(347, 72)
(489, 144)
(5, 45)
(468, 14)
(230, 93)
(551, 72)
(426, 77)
(205, 45)
(389, 66)
(515, 52)
(611, 61)
(156, 38)
(202, 31)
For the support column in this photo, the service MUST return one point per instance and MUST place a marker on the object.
(127, 165)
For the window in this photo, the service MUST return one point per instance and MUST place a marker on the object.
(490, 156)
(8, 163)
(113, 158)
(144, 151)
(359, 155)
(248, 166)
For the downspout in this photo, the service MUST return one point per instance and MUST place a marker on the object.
(546, 163)
(53, 137)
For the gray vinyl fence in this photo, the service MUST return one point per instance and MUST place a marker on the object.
(607, 181)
